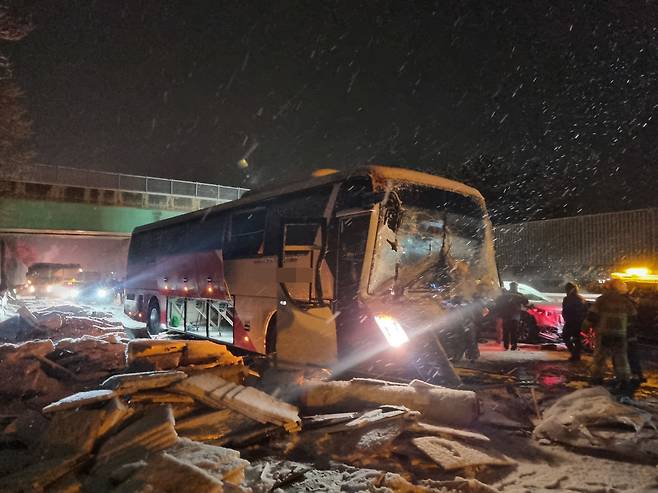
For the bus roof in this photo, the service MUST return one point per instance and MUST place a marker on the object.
(379, 174)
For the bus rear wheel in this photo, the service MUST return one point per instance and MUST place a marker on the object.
(153, 321)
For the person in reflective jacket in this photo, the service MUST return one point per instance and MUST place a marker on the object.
(610, 315)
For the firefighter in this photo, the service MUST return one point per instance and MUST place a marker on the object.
(574, 311)
(509, 306)
(643, 319)
(610, 316)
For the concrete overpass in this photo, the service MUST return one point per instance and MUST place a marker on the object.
(70, 215)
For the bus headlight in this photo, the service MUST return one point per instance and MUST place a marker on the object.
(101, 293)
(392, 330)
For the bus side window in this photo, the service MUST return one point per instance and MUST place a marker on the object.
(247, 229)
(207, 234)
(354, 192)
(311, 204)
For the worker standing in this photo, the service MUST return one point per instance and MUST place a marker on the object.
(574, 311)
(610, 316)
(509, 306)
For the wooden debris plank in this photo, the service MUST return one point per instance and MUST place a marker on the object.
(218, 461)
(126, 383)
(253, 403)
(152, 433)
(57, 367)
(159, 397)
(426, 429)
(319, 420)
(79, 400)
(451, 455)
(41, 474)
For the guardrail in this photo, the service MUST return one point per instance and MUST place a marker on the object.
(75, 177)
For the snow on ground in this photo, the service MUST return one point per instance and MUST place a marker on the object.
(507, 382)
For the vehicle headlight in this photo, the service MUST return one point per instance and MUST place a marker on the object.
(392, 330)
(101, 293)
(74, 292)
(31, 289)
(49, 288)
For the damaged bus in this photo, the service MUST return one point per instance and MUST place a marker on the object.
(357, 271)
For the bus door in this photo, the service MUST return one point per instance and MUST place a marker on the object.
(352, 239)
(306, 329)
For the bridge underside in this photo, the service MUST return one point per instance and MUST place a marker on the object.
(95, 252)
(90, 227)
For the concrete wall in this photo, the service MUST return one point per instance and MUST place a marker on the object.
(582, 248)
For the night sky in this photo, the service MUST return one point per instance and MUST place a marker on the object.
(549, 107)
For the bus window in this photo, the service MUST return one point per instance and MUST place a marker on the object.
(246, 234)
(352, 246)
(295, 206)
(438, 243)
(354, 193)
(301, 234)
(302, 244)
(207, 234)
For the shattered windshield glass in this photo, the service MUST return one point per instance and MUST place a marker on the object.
(430, 240)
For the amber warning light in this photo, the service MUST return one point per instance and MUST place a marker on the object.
(637, 274)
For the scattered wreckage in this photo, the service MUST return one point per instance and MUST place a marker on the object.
(108, 413)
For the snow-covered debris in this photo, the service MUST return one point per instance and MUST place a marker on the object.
(592, 419)
(57, 323)
(129, 383)
(451, 455)
(218, 393)
(446, 406)
(78, 400)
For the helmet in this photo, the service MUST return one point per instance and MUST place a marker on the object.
(617, 285)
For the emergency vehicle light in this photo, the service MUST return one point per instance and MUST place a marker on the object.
(637, 274)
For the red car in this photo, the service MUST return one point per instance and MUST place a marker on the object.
(542, 322)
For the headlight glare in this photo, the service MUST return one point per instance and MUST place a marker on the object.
(392, 330)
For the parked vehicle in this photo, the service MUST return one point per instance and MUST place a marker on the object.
(46, 279)
(94, 287)
(348, 270)
(542, 321)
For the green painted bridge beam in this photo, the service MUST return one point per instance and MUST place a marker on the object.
(18, 213)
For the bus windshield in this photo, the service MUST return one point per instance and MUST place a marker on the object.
(431, 240)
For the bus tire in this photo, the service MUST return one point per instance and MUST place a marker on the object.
(153, 317)
(270, 336)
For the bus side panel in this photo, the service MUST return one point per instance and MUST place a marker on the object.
(252, 282)
(306, 336)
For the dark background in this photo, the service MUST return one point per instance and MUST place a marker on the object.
(548, 107)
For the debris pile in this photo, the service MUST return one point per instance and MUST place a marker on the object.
(441, 404)
(103, 413)
(169, 429)
(592, 419)
(37, 372)
(56, 323)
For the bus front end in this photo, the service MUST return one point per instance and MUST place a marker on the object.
(427, 276)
